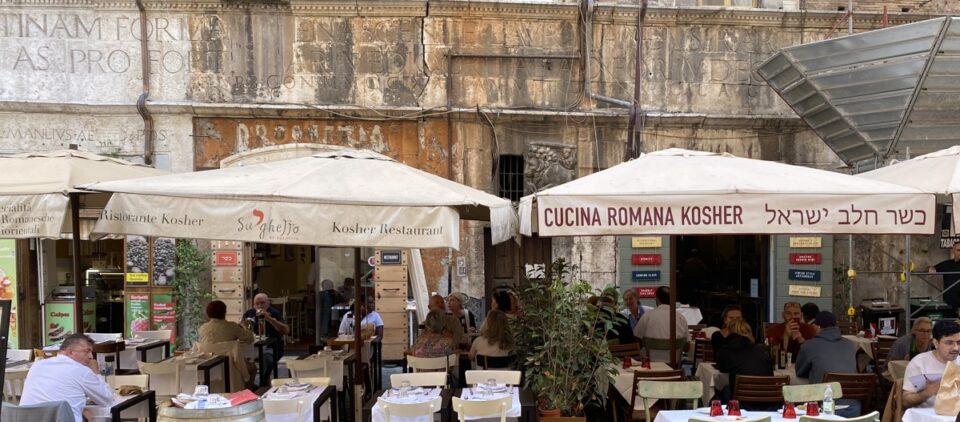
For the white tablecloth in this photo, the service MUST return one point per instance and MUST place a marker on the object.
(916, 414)
(685, 415)
(862, 343)
(102, 413)
(624, 380)
(514, 412)
(376, 414)
(306, 412)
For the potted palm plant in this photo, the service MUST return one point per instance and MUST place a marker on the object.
(561, 343)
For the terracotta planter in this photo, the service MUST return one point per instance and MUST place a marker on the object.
(549, 413)
(563, 418)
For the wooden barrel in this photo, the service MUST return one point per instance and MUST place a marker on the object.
(247, 412)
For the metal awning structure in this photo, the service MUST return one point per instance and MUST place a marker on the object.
(873, 94)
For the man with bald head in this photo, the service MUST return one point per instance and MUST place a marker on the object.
(450, 323)
(274, 327)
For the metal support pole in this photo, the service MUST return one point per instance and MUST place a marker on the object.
(357, 338)
(907, 271)
(850, 19)
(77, 283)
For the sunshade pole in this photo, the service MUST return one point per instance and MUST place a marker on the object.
(77, 286)
(907, 269)
(357, 339)
(673, 302)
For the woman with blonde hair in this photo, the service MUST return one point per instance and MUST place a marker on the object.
(740, 356)
(918, 341)
(495, 338)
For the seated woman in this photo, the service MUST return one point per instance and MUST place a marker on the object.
(217, 329)
(495, 338)
(433, 341)
(918, 341)
(740, 356)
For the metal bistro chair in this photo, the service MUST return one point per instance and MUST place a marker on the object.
(475, 408)
(673, 375)
(870, 417)
(810, 392)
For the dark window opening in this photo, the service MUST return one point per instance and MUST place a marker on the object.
(841, 8)
(905, 10)
(511, 177)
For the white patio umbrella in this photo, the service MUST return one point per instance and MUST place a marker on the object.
(348, 197)
(39, 188)
(678, 191)
(354, 198)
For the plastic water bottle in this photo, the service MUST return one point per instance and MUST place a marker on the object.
(108, 366)
(828, 400)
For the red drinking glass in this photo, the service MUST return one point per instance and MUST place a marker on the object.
(813, 409)
(645, 363)
(733, 408)
(715, 408)
(627, 362)
(789, 412)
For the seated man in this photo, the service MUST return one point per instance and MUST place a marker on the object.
(368, 318)
(826, 352)
(792, 332)
(809, 311)
(272, 321)
(921, 381)
(71, 376)
(654, 331)
(730, 314)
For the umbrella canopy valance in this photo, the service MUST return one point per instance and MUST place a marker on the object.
(34, 192)
(937, 173)
(677, 191)
(338, 198)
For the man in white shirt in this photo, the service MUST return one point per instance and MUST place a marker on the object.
(653, 329)
(369, 318)
(922, 378)
(71, 376)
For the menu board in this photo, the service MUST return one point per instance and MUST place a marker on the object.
(8, 286)
(138, 313)
(164, 260)
(164, 317)
(137, 268)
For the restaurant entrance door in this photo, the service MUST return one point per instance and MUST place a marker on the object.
(716, 271)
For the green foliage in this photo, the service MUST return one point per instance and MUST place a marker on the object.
(188, 291)
(561, 341)
(841, 291)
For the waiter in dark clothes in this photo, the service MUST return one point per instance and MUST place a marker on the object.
(951, 296)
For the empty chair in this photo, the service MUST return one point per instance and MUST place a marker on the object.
(848, 327)
(13, 385)
(870, 417)
(283, 407)
(441, 363)
(656, 390)
(407, 410)
(760, 391)
(502, 377)
(702, 351)
(859, 387)
(58, 411)
(482, 408)
(164, 377)
(313, 367)
(673, 375)
(623, 351)
(809, 392)
(15, 355)
(420, 379)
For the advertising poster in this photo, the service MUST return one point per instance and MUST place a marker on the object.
(164, 260)
(59, 322)
(138, 313)
(8, 286)
(137, 268)
(164, 317)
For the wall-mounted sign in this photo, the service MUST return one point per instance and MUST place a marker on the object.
(804, 291)
(804, 275)
(137, 278)
(226, 258)
(646, 292)
(645, 259)
(806, 242)
(390, 258)
(645, 275)
(806, 258)
(646, 242)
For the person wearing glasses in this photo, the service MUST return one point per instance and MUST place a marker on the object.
(922, 378)
(918, 341)
(71, 376)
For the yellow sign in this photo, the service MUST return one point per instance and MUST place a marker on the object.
(806, 242)
(137, 277)
(804, 290)
(646, 242)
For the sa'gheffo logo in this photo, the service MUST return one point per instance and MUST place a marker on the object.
(268, 228)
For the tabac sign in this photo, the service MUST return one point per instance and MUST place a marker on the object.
(732, 214)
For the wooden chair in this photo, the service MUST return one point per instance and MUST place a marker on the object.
(881, 349)
(408, 410)
(760, 390)
(850, 328)
(855, 386)
(809, 392)
(282, 407)
(673, 375)
(702, 351)
(623, 351)
(511, 378)
(682, 390)
(420, 379)
(466, 408)
(44, 354)
(13, 386)
(870, 417)
(496, 362)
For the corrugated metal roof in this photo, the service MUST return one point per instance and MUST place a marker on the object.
(872, 94)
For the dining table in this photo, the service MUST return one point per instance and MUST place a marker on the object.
(322, 399)
(143, 350)
(925, 414)
(703, 414)
(132, 406)
(372, 411)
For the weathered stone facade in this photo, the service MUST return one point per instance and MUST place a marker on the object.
(447, 86)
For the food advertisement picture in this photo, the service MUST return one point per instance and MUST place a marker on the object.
(164, 317)
(59, 322)
(138, 267)
(164, 260)
(138, 313)
(8, 286)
